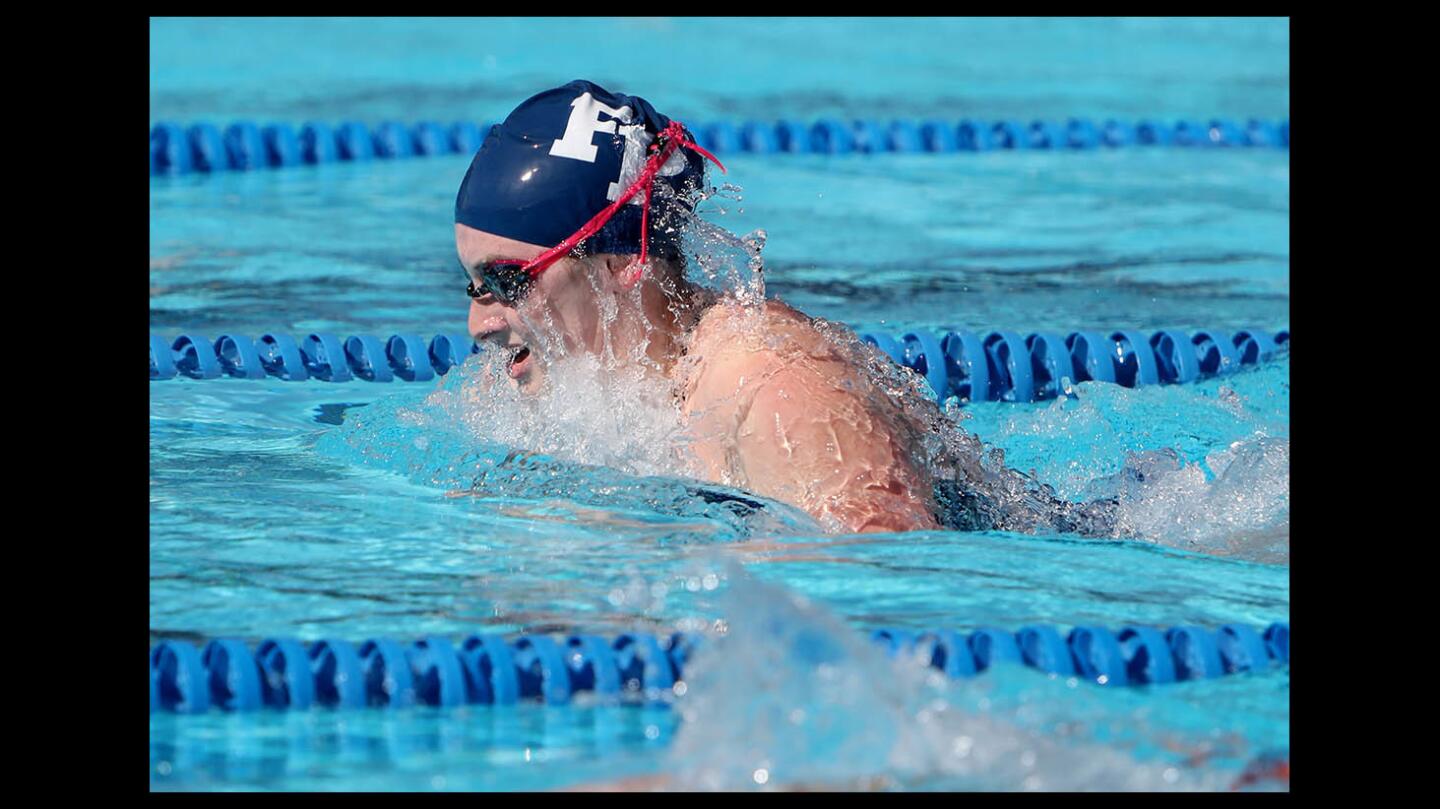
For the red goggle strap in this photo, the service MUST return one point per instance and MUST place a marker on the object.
(673, 137)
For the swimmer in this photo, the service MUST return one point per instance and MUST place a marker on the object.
(568, 225)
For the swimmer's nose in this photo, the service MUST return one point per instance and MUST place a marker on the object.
(482, 326)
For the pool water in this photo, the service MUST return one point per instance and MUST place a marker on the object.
(357, 510)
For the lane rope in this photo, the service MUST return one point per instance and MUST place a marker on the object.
(287, 674)
(203, 147)
(997, 366)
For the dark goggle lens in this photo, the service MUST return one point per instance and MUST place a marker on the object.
(507, 282)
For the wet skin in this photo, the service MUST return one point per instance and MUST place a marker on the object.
(772, 405)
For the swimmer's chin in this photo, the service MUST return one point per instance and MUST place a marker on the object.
(530, 383)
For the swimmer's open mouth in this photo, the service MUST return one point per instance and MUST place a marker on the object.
(519, 361)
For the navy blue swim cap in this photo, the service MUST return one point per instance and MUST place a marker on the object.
(563, 156)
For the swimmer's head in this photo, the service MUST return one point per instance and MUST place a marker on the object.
(543, 225)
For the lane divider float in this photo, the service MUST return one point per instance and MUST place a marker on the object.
(287, 674)
(997, 366)
(204, 147)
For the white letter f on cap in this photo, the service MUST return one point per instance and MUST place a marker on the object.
(583, 124)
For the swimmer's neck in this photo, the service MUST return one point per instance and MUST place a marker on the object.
(672, 310)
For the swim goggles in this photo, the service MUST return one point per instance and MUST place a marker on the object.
(509, 280)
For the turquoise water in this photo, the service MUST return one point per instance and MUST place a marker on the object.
(318, 509)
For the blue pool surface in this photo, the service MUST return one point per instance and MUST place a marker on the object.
(357, 510)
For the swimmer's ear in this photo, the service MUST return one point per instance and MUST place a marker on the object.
(625, 270)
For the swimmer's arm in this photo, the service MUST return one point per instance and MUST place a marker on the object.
(811, 443)
(787, 431)
(770, 412)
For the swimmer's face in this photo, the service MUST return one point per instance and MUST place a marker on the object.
(560, 312)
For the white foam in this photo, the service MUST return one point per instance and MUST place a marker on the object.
(583, 412)
(1244, 510)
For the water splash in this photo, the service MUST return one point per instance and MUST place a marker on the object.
(799, 700)
(1201, 467)
(590, 409)
(444, 439)
(729, 264)
(1235, 503)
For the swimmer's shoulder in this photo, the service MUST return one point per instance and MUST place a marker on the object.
(777, 408)
(731, 327)
(734, 349)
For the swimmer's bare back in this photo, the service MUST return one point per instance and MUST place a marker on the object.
(774, 407)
